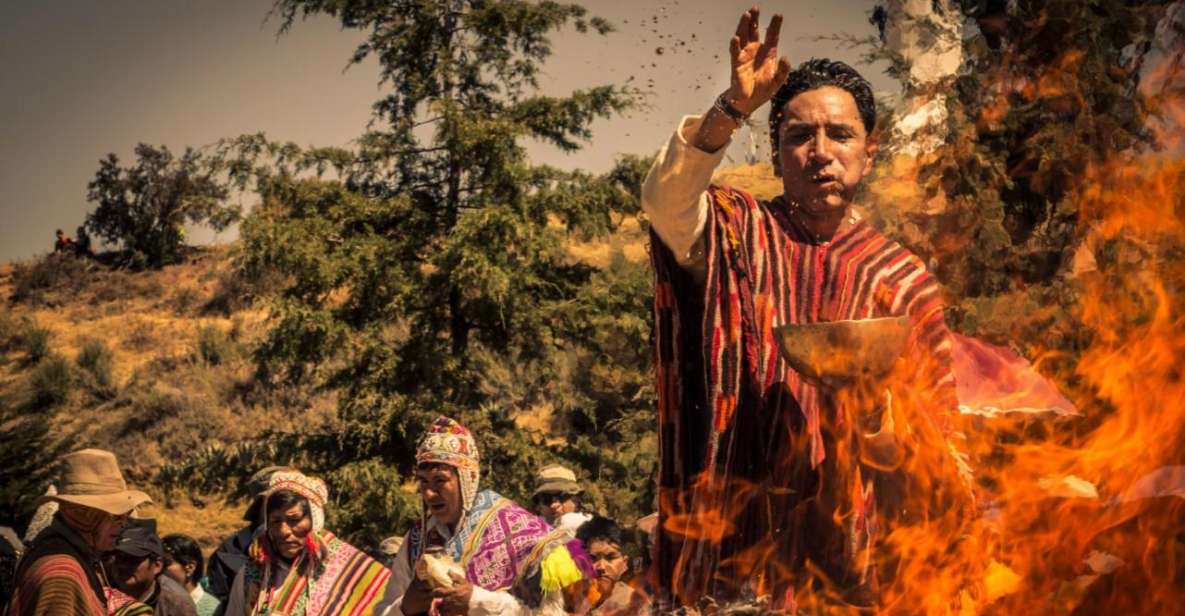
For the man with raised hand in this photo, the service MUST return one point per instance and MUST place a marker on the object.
(755, 487)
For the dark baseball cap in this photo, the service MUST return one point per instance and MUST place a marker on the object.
(139, 538)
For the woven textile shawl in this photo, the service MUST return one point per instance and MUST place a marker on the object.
(344, 582)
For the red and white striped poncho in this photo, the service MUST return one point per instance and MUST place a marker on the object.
(747, 483)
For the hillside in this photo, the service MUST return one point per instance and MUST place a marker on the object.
(156, 366)
(152, 365)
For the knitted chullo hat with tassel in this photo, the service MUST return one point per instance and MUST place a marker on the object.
(448, 442)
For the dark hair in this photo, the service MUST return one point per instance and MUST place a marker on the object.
(817, 73)
(286, 499)
(183, 549)
(600, 528)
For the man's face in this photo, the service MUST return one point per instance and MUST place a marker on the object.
(109, 530)
(824, 150)
(134, 575)
(178, 572)
(287, 529)
(441, 491)
(608, 559)
(551, 505)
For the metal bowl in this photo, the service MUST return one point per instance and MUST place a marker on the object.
(840, 352)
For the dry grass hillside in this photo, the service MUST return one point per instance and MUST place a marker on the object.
(156, 365)
(151, 365)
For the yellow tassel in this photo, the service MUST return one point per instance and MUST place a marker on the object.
(559, 570)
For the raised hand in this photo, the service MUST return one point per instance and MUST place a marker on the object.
(757, 71)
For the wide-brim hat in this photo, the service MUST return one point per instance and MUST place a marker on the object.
(556, 479)
(91, 478)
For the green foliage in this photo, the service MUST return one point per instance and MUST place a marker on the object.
(27, 454)
(213, 346)
(96, 362)
(50, 382)
(145, 207)
(436, 255)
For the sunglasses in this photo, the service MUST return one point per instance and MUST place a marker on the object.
(552, 497)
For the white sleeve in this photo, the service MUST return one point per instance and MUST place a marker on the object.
(392, 601)
(236, 601)
(501, 603)
(674, 192)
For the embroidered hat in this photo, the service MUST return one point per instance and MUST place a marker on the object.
(311, 488)
(448, 442)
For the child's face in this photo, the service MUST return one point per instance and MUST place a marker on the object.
(608, 559)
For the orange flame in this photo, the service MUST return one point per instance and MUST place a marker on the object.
(1075, 513)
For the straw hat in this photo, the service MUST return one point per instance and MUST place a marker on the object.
(91, 478)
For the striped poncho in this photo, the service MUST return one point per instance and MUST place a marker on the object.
(60, 576)
(750, 482)
(339, 580)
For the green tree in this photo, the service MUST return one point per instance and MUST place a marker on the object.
(435, 256)
(144, 207)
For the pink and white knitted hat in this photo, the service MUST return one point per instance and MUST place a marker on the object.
(448, 442)
(312, 489)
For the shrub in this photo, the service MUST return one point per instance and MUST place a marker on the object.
(10, 332)
(96, 362)
(46, 280)
(140, 335)
(35, 341)
(152, 406)
(213, 347)
(185, 299)
(50, 382)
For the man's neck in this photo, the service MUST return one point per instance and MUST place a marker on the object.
(820, 226)
(146, 596)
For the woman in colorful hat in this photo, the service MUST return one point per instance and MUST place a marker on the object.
(496, 557)
(295, 567)
(60, 573)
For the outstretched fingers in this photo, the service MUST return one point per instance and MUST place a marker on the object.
(743, 27)
(773, 31)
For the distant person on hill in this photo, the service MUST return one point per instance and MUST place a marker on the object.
(296, 566)
(610, 595)
(557, 498)
(232, 553)
(136, 566)
(82, 245)
(59, 573)
(62, 242)
(186, 566)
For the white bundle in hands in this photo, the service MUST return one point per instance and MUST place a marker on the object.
(434, 567)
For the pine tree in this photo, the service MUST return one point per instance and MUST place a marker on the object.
(435, 256)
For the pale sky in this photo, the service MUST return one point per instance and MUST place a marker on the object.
(83, 78)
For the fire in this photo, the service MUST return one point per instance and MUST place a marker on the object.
(1073, 512)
